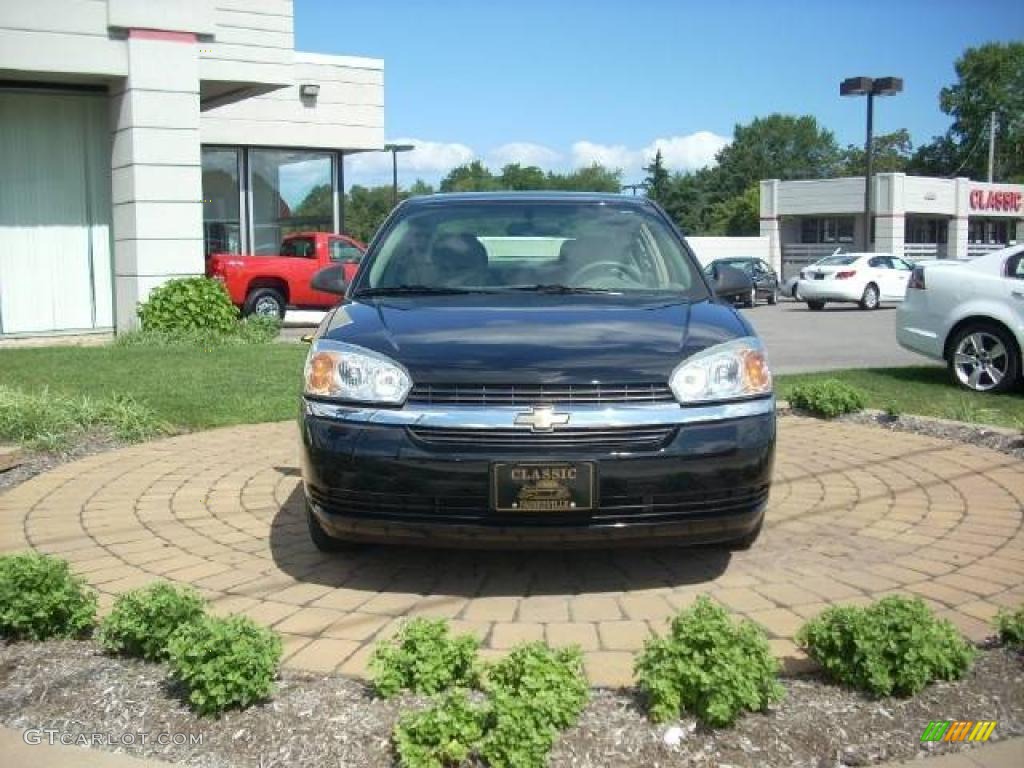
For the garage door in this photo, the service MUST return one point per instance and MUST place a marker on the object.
(55, 272)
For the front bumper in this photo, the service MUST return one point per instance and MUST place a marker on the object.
(422, 475)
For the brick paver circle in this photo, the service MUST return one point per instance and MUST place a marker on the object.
(856, 512)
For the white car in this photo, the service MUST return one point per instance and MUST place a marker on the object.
(970, 314)
(867, 279)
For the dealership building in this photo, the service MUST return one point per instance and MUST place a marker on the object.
(915, 217)
(136, 136)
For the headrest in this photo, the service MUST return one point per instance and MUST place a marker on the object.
(458, 253)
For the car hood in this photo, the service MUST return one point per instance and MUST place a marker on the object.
(532, 339)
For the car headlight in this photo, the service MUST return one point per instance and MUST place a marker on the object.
(347, 372)
(729, 371)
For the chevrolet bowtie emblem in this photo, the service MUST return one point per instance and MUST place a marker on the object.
(541, 419)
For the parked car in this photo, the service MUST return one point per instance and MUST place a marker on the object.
(765, 281)
(268, 285)
(791, 287)
(867, 279)
(534, 369)
(971, 315)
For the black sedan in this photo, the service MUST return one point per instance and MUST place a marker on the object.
(765, 280)
(534, 369)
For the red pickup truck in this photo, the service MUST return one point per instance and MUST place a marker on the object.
(267, 285)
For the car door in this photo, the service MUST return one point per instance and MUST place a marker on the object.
(1014, 272)
(767, 281)
(901, 277)
(881, 274)
(303, 264)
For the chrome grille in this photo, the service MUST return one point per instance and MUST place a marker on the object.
(609, 439)
(537, 394)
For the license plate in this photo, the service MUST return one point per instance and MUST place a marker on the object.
(543, 486)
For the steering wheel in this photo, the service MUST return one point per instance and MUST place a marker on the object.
(627, 270)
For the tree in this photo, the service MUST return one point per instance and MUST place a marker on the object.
(470, 177)
(990, 78)
(593, 178)
(775, 147)
(892, 153)
(657, 180)
(737, 216)
(419, 188)
(317, 204)
(516, 176)
(365, 210)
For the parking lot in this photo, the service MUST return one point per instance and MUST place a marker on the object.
(798, 340)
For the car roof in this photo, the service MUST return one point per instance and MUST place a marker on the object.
(520, 197)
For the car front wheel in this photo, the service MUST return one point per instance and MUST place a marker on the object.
(984, 358)
(773, 298)
(816, 305)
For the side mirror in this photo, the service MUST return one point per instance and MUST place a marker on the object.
(729, 282)
(330, 280)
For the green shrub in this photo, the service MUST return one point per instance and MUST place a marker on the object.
(893, 646)
(143, 620)
(423, 657)
(40, 598)
(189, 303)
(250, 330)
(828, 398)
(708, 665)
(46, 420)
(224, 663)
(535, 692)
(443, 735)
(1011, 627)
(552, 680)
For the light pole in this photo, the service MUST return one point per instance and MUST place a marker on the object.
(394, 149)
(634, 187)
(870, 87)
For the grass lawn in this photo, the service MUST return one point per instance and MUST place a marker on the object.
(925, 391)
(192, 388)
(188, 387)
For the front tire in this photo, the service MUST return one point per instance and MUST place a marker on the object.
(265, 302)
(984, 358)
(746, 541)
(815, 305)
(869, 299)
(752, 298)
(773, 298)
(322, 540)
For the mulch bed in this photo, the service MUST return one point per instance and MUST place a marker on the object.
(32, 463)
(335, 721)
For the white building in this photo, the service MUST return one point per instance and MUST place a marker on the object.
(138, 135)
(914, 216)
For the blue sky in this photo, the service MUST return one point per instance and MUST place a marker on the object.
(560, 83)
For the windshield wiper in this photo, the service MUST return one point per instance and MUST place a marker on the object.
(558, 289)
(416, 290)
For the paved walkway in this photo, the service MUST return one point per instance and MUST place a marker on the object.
(1005, 754)
(856, 513)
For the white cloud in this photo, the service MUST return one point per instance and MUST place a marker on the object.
(429, 158)
(525, 153)
(681, 153)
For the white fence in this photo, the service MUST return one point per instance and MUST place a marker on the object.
(708, 249)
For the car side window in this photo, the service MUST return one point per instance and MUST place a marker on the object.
(880, 262)
(344, 252)
(901, 265)
(1015, 267)
(298, 247)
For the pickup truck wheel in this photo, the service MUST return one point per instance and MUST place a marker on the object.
(265, 302)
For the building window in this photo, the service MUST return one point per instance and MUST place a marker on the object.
(988, 231)
(834, 229)
(292, 191)
(925, 230)
(222, 230)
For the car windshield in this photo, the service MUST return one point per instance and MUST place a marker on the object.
(836, 261)
(550, 246)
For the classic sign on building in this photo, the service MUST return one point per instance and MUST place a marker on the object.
(915, 217)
